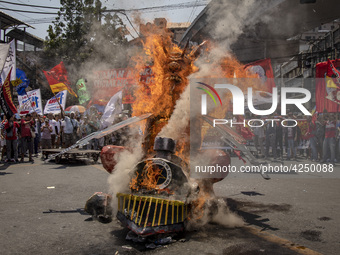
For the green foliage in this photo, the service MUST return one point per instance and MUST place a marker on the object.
(80, 29)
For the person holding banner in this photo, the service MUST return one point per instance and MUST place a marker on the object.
(27, 125)
(58, 130)
(70, 127)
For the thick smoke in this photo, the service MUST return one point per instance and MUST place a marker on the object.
(179, 119)
(120, 178)
(230, 24)
(107, 52)
(214, 210)
(228, 27)
(229, 20)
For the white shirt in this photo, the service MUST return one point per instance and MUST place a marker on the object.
(69, 124)
(58, 124)
(52, 124)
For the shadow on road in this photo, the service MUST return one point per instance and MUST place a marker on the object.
(250, 211)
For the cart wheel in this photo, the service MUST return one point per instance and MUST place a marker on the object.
(95, 157)
(57, 159)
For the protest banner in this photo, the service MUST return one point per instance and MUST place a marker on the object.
(4, 47)
(53, 104)
(10, 63)
(6, 98)
(31, 102)
(109, 82)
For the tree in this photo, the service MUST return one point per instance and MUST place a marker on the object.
(79, 30)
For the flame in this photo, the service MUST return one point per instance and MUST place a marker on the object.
(134, 183)
(151, 177)
(148, 179)
(171, 67)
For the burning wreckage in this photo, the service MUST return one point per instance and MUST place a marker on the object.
(162, 198)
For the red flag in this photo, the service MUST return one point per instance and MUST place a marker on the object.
(333, 73)
(327, 87)
(6, 98)
(57, 78)
(263, 68)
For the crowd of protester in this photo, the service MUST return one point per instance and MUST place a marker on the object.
(29, 135)
(320, 143)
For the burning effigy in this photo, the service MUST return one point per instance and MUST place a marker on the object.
(153, 192)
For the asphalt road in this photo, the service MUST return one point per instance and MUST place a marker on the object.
(42, 205)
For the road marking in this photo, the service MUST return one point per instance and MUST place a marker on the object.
(281, 241)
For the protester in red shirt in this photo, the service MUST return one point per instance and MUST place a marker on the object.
(329, 141)
(27, 125)
(11, 128)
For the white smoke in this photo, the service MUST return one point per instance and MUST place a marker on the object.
(229, 19)
(120, 178)
(215, 211)
(179, 119)
(229, 25)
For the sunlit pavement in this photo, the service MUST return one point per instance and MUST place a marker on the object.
(42, 213)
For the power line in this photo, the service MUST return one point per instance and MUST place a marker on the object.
(163, 7)
(18, 13)
(193, 11)
(144, 9)
(39, 21)
(131, 24)
(8, 9)
(31, 5)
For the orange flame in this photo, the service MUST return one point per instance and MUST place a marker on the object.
(147, 179)
(171, 68)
